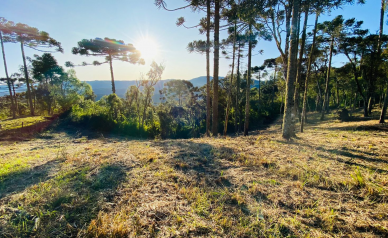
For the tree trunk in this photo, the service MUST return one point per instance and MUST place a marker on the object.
(273, 87)
(370, 104)
(237, 107)
(359, 89)
(288, 123)
(319, 94)
(381, 26)
(147, 102)
(231, 82)
(326, 98)
(287, 41)
(138, 109)
(248, 88)
(299, 70)
(366, 96)
(259, 87)
(384, 109)
(216, 65)
(337, 90)
(344, 98)
(13, 110)
(16, 98)
(111, 74)
(382, 10)
(27, 80)
(208, 109)
(309, 64)
(381, 97)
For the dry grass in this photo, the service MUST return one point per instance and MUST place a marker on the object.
(331, 181)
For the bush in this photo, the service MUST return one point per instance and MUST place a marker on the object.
(100, 117)
(343, 115)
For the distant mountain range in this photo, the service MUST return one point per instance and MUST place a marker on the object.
(19, 88)
(102, 88)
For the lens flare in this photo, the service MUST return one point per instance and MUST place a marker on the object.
(148, 48)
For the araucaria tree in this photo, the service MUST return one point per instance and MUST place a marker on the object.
(111, 49)
(32, 38)
(4, 30)
(331, 31)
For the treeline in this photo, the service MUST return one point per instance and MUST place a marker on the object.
(49, 87)
(181, 113)
(305, 61)
(302, 78)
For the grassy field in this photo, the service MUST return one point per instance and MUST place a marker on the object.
(331, 181)
(23, 128)
(11, 124)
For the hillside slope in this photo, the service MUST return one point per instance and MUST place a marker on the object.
(330, 181)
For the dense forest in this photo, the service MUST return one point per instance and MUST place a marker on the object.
(300, 80)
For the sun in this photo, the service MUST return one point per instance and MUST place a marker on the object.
(148, 48)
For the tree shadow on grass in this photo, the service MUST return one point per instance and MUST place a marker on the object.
(377, 127)
(209, 166)
(196, 159)
(66, 203)
(17, 181)
(345, 152)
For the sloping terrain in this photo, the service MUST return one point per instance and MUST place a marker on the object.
(331, 181)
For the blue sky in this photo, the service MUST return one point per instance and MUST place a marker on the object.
(132, 20)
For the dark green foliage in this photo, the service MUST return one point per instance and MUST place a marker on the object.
(106, 46)
(45, 68)
(343, 115)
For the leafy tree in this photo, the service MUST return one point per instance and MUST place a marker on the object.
(153, 76)
(333, 30)
(111, 49)
(68, 90)
(132, 96)
(178, 89)
(198, 46)
(46, 70)
(355, 46)
(277, 19)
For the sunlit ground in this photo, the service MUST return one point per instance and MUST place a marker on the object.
(331, 181)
